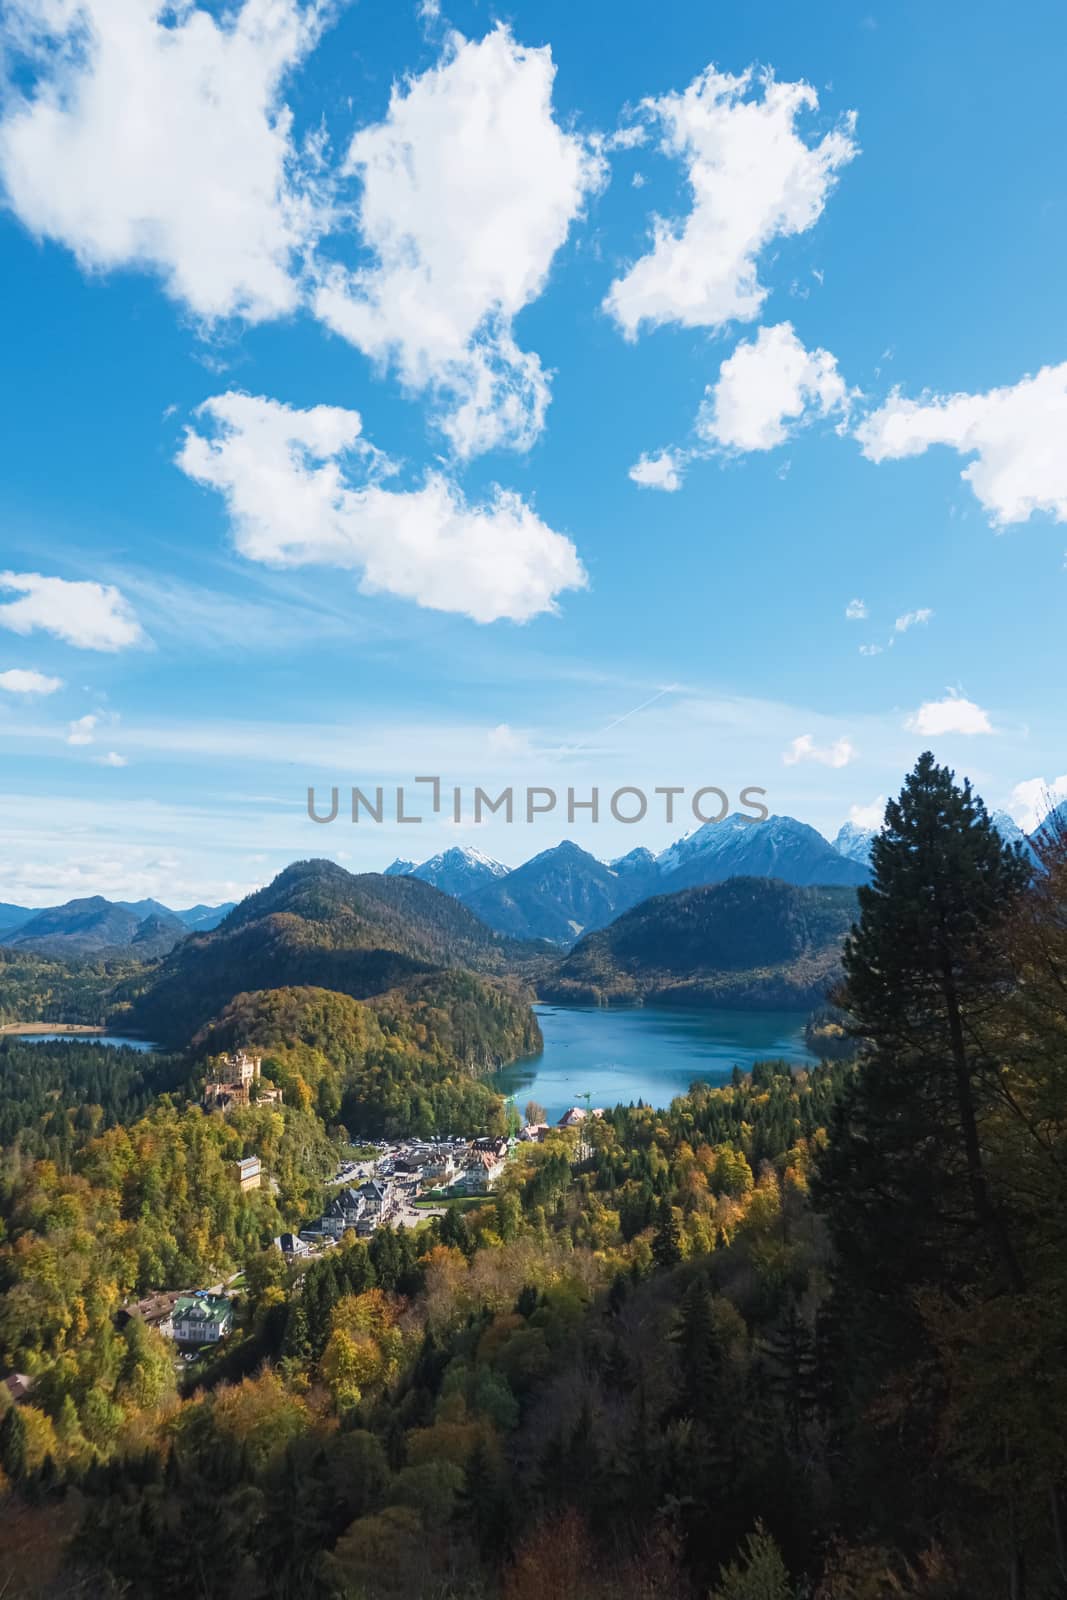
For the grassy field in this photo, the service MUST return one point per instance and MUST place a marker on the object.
(459, 1202)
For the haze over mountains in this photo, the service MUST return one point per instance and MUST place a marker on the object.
(93, 926)
(559, 895)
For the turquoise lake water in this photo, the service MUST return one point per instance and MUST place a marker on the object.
(84, 1038)
(645, 1053)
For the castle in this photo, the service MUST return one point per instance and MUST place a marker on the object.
(232, 1080)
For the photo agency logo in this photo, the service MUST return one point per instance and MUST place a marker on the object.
(424, 798)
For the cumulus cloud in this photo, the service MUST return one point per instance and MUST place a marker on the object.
(1033, 799)
(769, 387)
(81, 731)
(753, 179)
(1017, 436)
(953, 714)
(157, 136)
(21, 680)
(856, 610)
(912, 619)
(870, 816)
(661, 471)
(469, 188)
(804, 748)
(112, 759)
(305, 487)
(93, 616)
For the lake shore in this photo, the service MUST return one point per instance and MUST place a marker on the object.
(50, 1027)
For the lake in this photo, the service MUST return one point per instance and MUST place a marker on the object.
(82, 1038)
(645, 1053)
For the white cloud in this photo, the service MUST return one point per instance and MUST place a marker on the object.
(766, 389)
(630, 138)
(753, 179)
(870, 816)
(856, 610)
(953, 714)
(504, 740)
(661, 471)
(804, 748)
(871, 649)
(1017, 435)
(912, 619)
(303, 487)
(93, 616)
(112, 759)
(469, 188)
(21, 680)
(1034, 798)
(81, 731)
(156, 135)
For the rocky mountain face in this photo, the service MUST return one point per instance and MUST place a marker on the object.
(566, 892)
(461, 871)
(557, 895)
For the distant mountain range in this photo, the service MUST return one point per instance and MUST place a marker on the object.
(94, 926)
(855, 843)
(750, 942)
(566, 892)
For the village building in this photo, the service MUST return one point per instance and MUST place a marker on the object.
(18, 1386)
(200, 1318)
(292, 1246)
(249, 1173)
(377, 1200)
(343, 1211)
(483, 1172)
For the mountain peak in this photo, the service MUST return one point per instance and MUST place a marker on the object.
(854, 842)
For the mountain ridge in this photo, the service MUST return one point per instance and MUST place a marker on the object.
(749, 942)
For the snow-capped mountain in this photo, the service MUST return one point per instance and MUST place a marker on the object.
(854, 842)
(557, 895)
(636, 863)
(1011, 833)
(1054, 825)
(780, 847)
(461, 871)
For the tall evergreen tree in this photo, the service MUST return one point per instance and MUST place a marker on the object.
(906, 1180)
(911, 1179)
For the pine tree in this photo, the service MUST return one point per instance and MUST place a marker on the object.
(667, 1241)
(13, 1444)
(905, 1182)
(912, 1179)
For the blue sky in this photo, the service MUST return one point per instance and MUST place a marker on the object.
(332, 341)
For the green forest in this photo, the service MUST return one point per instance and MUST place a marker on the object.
(799, 1337)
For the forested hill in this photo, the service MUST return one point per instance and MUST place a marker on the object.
(315, 924)
(406, 1062)
(746, 942)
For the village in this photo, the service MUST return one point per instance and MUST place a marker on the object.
(391, 1183)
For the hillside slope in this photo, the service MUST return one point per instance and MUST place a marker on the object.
(752, 942)
(318, 925)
